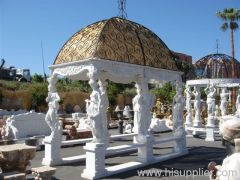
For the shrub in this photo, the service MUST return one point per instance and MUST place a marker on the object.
(38, 92)
(165, 93)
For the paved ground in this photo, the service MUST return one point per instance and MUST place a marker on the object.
(200, 154)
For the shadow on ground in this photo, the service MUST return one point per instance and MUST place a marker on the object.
(197, 159)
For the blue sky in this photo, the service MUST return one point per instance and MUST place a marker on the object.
(187, 26)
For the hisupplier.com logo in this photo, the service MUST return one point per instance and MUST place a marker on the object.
(186, 173)
(173, 172)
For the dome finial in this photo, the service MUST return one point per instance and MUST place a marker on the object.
(122, 9)
(217, 46)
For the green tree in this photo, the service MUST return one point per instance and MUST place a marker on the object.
(37, 78)
(230, 16)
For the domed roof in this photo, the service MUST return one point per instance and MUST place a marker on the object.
(215, 66)
(215, 57)
(119, 40)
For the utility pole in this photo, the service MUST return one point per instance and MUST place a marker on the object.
(43, 64)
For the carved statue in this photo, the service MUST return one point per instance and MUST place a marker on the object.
(188, 93)
(142, 105)
(197, 106)
(178, 107)
(104, 107)
(224, 101)
(93, 107)
(148, 103)
(53, 105)
(210, 91)
(238, 103)
(177, 116)
(137, 102)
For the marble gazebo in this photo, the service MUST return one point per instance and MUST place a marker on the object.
(194, 124)
(121, 51)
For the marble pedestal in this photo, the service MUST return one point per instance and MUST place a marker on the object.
(211, 121)
(52, 152)
(188, 124)
(197, 124)
(180, 143)
(95, 161)
(145, 152)
(210, 134)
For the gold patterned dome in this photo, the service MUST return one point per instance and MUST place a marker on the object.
(119, 40)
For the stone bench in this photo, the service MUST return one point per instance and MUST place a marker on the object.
(43, 172)
(26, 125)
(14, 175)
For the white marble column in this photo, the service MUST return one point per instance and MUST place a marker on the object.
(137, 102)
(93, 108)
(177, 115)
(103, 108)
(224, 101)
(197, 107)
(142, 105)
(238, 104)
(210, 91)
(53, 142)
(188, 93)
(96, 150)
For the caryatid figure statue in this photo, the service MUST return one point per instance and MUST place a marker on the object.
(224, 101)
(137, 103)
(93, 108)
(148, 103)
(104, 107)
(142, 105)
(210, 92)
(197, 107)
(177, 116)
(53, 105)
(178, 107)
(238, 103)
(189, 94)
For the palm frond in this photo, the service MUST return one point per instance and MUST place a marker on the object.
(224, 26)
(229, 14)
(221, 15)
(234, 25)
(238, 14)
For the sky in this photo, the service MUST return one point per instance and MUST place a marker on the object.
(186, 26)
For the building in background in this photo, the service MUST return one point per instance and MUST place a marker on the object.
(184, 63)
